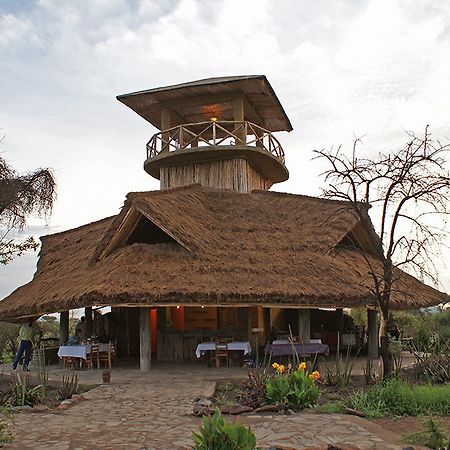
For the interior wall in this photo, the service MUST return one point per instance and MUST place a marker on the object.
(198, 318)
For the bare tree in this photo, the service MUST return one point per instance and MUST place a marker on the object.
(21, 196)
(408, 190)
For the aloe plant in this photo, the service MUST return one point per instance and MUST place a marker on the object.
(216, 434)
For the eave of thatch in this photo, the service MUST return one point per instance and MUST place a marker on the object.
(230, 249)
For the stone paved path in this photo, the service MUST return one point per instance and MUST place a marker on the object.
(150, 411)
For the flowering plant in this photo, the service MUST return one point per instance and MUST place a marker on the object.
(294, 388)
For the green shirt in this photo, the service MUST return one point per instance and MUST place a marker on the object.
(26, 332)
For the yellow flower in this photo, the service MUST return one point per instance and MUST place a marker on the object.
(302, 366)
(275, 366)
(315, 375)
(281, 369)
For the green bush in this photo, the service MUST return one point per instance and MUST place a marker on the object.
(433, 363)
(432, 436)
(253, 391)
(294, 389)
(5, 419)
(397, 398)
(216, 434)
(25, 394)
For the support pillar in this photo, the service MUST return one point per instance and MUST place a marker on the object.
(304, 324)
(372, 334)
(63, 327)
(239, 117)
(145, 336)
(340, 319)
(165, 125)
(89, 322)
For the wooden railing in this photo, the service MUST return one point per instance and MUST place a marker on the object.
(209, 133)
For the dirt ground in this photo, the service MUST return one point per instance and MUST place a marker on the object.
(407, 425)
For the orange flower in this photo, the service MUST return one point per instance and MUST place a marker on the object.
(302, 366)
(281, 369)
(315, 375)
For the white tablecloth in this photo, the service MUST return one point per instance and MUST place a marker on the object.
(79, 351)
(243, 346)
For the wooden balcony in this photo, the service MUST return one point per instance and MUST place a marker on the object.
(217, 134)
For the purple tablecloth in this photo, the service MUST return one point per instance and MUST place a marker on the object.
(302, 350)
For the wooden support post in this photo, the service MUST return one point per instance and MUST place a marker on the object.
(239, 116)
(63, 327)
(249, 324)
(145, 336)
(89, 323)
(372, 334)
(266, 325)
(304, 324)
(165, 125)
(340, 320)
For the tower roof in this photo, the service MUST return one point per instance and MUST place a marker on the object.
(192, 102)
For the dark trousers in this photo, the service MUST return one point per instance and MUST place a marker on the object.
(24, 347)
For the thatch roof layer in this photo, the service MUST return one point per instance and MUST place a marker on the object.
(230, 248)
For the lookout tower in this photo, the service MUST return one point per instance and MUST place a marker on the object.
(217, 132)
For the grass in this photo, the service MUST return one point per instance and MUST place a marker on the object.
(398, 398)
(5, 419)
(331, 407)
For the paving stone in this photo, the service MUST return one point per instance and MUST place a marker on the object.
(150, 411)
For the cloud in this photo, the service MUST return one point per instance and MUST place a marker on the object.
(368, 68)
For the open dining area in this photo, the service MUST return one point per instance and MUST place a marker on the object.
(209, 336)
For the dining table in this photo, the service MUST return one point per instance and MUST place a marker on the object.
(79, 351)
(242, 346)
(287, 348)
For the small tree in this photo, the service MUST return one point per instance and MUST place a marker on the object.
(21, 196)
(409, 190)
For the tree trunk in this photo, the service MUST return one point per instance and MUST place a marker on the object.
(384, 344)
(384, 307)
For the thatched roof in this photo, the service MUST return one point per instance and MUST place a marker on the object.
(216, 247)
(189, 99)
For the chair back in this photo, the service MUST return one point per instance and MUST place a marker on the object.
(221, 349)
(113, 348)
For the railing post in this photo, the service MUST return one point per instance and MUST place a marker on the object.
(214, 132)
(181, 142)
(239, 117)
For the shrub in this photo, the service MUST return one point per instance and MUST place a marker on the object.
(433, 436)
(25, 394)
(69, 385)
(216, 434)
(253, 391)
(296, 389)
(433, 364)
(8, 340)
(397, 398)
(5, 418)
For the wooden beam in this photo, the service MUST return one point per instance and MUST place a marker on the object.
(304, 325)
(145, 336)
(63, 327)
(165, 125)
(89, 323)
(239, 116)
(122, 233)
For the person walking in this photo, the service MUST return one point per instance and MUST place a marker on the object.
(25, 335)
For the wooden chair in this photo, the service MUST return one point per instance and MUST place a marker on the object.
(93, 357)
(109, 356)
(221, 353)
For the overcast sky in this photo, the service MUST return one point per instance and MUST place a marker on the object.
(340, 68)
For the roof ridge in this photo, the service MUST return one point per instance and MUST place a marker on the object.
(70, 230)
(312, 197)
